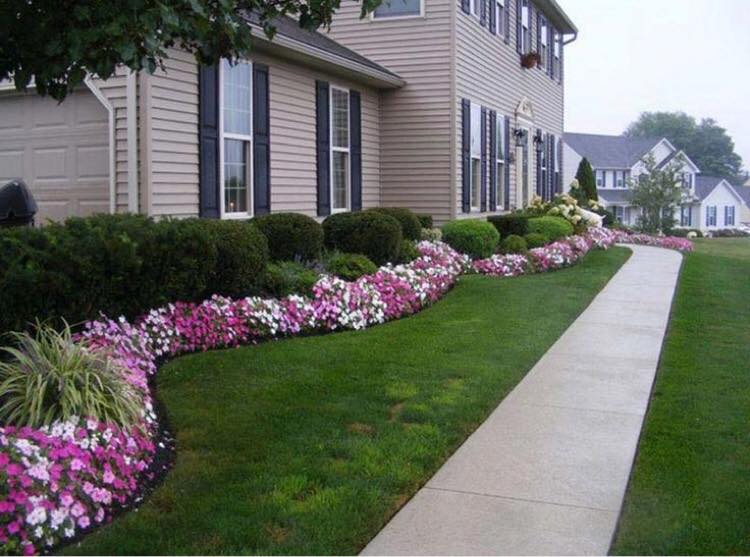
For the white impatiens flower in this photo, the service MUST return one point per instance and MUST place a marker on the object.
(37, 516)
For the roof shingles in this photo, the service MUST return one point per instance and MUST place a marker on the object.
(610, 151)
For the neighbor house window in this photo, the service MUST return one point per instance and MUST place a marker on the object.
(340, 155)
(476, 156)
(686, 217)
(687, 180)
(500, 17)
(542, 40)
(398, 8)
(620, 177)
(500, 170)
(236, 137)
(711, 215)
(599, 179)
(729, 215)
(619, 213)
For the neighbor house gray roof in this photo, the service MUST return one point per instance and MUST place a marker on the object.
(704, 185)
(610, 151)
(289, 28)
(744, 193)
(614, 196)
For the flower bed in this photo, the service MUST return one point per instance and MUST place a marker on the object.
(62, 480)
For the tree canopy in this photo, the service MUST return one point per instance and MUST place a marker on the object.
(706, 143)
(56, 43)
(658, 193)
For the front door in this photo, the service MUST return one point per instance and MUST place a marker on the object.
(522, 172)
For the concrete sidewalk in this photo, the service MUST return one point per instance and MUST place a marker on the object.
(547, 472)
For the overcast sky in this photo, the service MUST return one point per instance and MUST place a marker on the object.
(633, 56)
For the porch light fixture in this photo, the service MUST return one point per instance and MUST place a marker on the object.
(520, 135)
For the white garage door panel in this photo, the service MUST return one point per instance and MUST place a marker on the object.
(60, 150)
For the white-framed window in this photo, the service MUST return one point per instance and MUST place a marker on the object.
(556, 54)
(729, 215)
(390, 9)
(236, 136)
(619, 212)
(620, 179)
(711, 215)
(500, 164)
(500, 17)
(599, 178)
(687, 180)
(543, 33)
(525, 26)
(476, 157)
(340, 149)
(476, 7)
(686, 217)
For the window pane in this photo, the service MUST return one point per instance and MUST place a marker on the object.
(237, 103)
(340, 112)
(476, 129)
(393, 8)
(235, 176)
(476, 178)
(500, 138)
(340, 177)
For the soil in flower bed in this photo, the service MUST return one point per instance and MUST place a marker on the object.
(309, 445)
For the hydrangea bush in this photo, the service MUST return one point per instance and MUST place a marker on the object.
(62, 480)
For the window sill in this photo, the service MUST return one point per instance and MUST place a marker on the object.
(374, 19)
(236, 216)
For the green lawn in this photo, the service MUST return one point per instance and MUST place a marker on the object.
(690, 490)
(309, 445)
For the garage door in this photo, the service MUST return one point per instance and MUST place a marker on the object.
(61, 151)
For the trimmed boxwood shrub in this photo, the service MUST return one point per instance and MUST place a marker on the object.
(374, 234)
(411, 229)
(288, 277)
(536, 240)
(241, 257)
(425, 221)
(552, 227)
(350, 266)
(513, 244)
(514, 223)
(291, 236)
(408, 252)
(476, 238)
(121, 265)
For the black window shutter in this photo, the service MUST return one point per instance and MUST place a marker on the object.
(483, 12)
(539, 166)
(323, 141)
(506, 193)
(519, 26)
(261, 141)
(493, 161)
(355, 147)
(493, 16)
(465, 156)
(465, 6)
(483, 146)
(551, 166)
(208, 130)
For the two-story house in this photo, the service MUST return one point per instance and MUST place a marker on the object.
(424, 104)
(708, 203)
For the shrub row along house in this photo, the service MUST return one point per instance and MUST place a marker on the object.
(448, 108)
(709, 203)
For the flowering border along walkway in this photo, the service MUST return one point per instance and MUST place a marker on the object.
(62, 480)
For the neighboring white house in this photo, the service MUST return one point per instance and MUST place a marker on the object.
(708, 203)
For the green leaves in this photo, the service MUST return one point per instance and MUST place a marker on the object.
(57, 42)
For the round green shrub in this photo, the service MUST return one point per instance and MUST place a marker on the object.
(425, 220)
(291, 236)
(350, 266)
(288, 277)
(411, 228)
(408, 251)
(374, 234)
(552, 227)
(513, 244)
(513, 223)
(476, 238)
(241, 257)
(536, 240)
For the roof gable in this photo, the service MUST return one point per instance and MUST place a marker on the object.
(704, 185)
(611, 151)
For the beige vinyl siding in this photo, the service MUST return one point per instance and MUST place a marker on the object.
(114, 89)
(169, 143)
(416, 122)
(489, 73)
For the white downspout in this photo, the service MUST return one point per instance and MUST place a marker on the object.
(111, 123)
(132, 141)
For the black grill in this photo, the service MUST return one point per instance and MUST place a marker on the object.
(17, 205)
